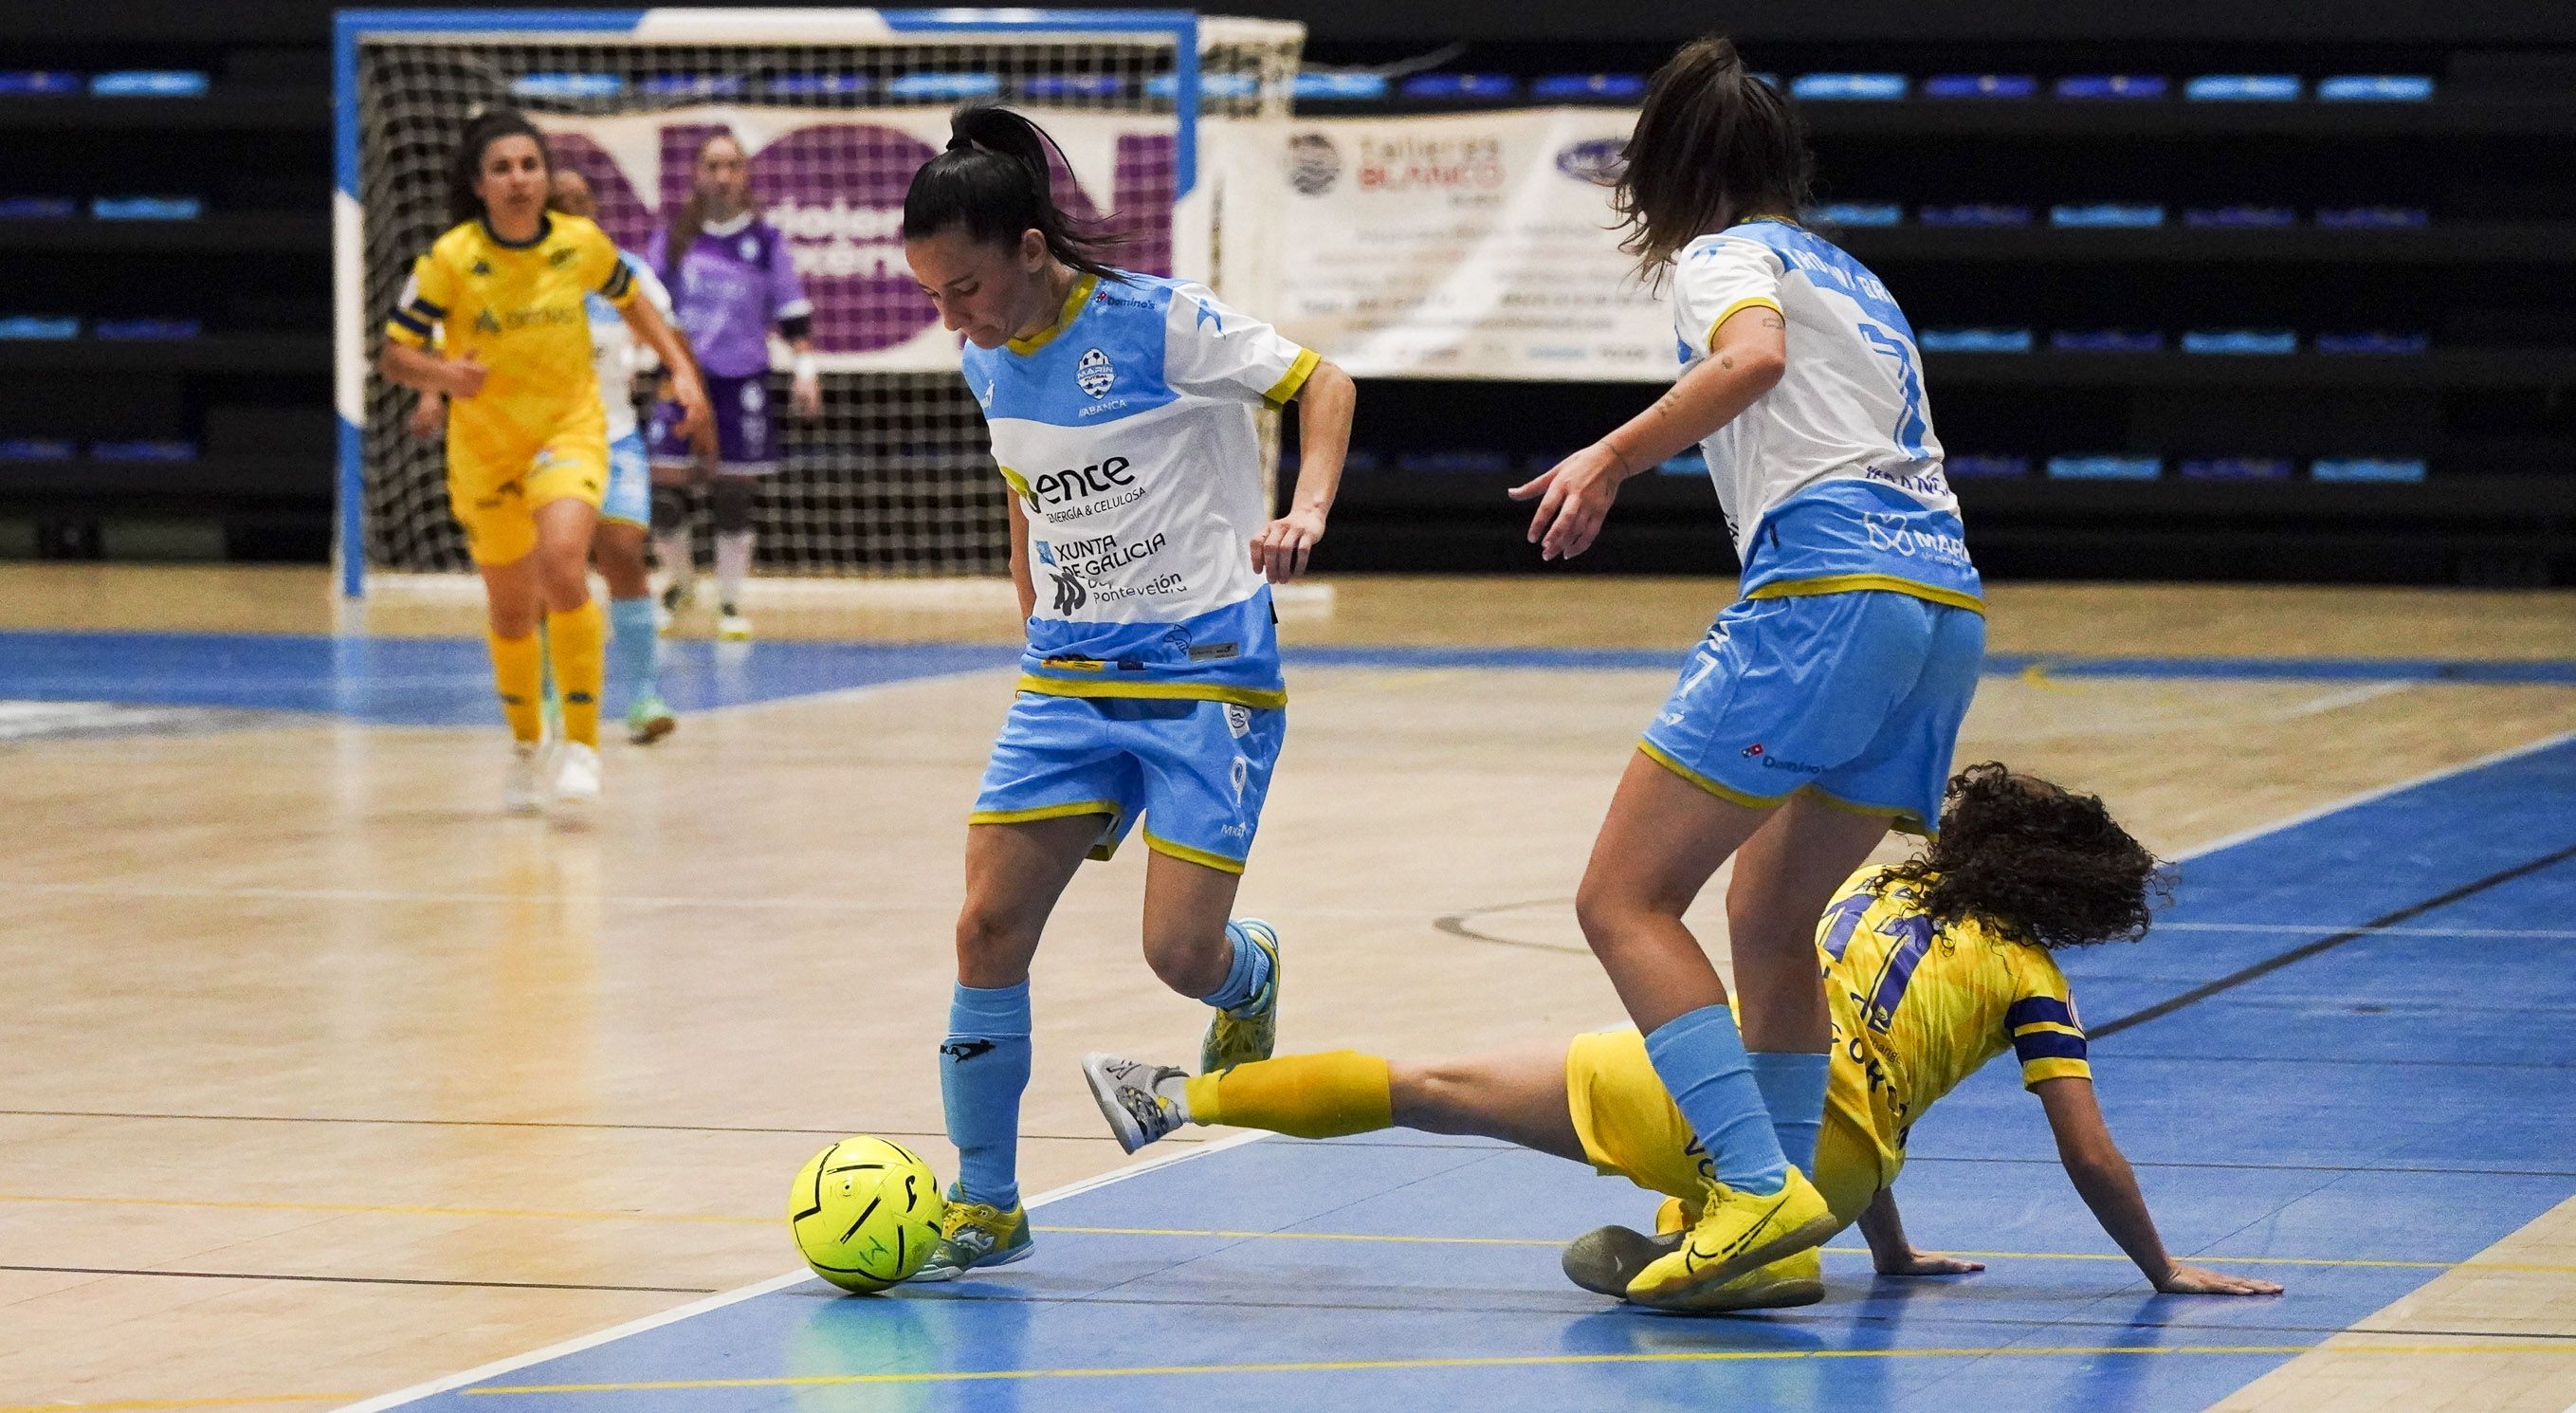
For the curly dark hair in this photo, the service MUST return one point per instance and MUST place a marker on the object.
(2034, 862)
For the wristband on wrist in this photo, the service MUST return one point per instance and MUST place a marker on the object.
(806, 369)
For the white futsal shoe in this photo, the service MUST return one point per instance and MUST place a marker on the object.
(731, 625)
(577, 775)
(1142, 1102)
(523, 788)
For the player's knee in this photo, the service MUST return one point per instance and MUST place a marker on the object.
(670, 507)
(1189, 962)
(992, 947)
(730, 501)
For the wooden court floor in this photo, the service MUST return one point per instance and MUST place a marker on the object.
(320, 1078)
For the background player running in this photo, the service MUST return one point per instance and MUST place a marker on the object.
(625, 515)
(733, 278)
(1825, 702)
(1933, 967)
(527, 441)
(1122, 410)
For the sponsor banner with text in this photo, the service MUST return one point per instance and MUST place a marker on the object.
(1462, 246)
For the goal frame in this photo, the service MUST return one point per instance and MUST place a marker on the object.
(644, 28)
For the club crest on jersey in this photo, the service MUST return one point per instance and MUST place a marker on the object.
(750, 248)
(1094, 373)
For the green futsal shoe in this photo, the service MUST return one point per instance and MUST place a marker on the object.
(973, 1235)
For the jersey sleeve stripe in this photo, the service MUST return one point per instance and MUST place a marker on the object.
(2034, 1071)
(2033, 1010)
(428, 310)
(408, 323)
(1755, 301)
(620, 283)
(1295, 378)
(2048, 1045)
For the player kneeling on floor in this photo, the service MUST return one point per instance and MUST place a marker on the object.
(1932, 967)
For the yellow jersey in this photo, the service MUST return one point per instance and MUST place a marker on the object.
(517, 309)
(1918, 1007)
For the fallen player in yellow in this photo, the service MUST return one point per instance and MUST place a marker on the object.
(1932, 967)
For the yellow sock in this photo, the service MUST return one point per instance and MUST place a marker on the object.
(577, 643)
(1304, 1096)
(518, 674)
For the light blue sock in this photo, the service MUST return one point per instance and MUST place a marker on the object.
(983, 1066)
(1701, 1060)
(1793, 1089)
(1246, 979)
(632, 646)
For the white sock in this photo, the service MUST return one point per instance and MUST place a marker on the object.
(733, 565)
(672, 548)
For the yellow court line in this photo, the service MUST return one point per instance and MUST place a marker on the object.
(1500, 1361)
(1215, 1233)
(123, 1405)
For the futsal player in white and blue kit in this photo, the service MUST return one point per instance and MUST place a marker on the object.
(626, 510)
(1823, 707)
(1124, 415)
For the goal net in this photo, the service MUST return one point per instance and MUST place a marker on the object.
(835, 110)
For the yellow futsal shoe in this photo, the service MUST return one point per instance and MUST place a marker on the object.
(1250, 1031)
(1737, 1233)
(976, 1234)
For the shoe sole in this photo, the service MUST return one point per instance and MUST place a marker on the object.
(651, 730)
(1704, 1281)
(1605, 1259)
(949, 1273)
(1104, 1092)
(1773, 1295)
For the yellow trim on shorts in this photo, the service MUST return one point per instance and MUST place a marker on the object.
(1032, 816)
(1856, 583)
(1073, 301)
(1660, 757)
(1295, 378)
(1757, 301)
(1186, 854)
(1260, 698)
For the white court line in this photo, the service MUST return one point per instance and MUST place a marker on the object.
(2300, 929)
(2381, 792)
(2351, 696)
(576, 1345)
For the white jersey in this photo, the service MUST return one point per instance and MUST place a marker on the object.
(613, 351)
(1130, 434)
(1834, 475)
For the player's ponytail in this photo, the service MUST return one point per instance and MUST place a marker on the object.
(2033, 862)
(1713, 146)
(993, 180)
(690, 221)
(481, 131)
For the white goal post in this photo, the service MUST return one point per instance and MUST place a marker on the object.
(835, 109)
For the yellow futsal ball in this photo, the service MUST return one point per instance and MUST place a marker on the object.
(865, 1213)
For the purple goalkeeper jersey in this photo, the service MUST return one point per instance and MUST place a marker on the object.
(737, 281)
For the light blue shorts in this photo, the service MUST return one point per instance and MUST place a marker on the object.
(1855, 696)
(1195, 771)
(630, 483)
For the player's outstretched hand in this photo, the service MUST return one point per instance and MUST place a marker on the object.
(805, 395)
(1929, 1263)
(697, 424)
(2192, 1280)
(464, 376)
(1279, 552)
(1573, 499)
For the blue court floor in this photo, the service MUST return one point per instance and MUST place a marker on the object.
(447, 681)
(2342, 1061)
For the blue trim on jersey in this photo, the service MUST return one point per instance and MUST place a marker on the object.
(1233, 646)
(1850, 526)
(1827, 264)
(2037, 1010)
(2048, 1045)
(1124, 322)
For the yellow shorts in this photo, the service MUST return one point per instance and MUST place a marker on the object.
(496, 498)
(1631, 1128)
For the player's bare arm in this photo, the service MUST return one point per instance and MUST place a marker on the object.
(1324, 408)
(1746, 356)
(2102, 1177)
